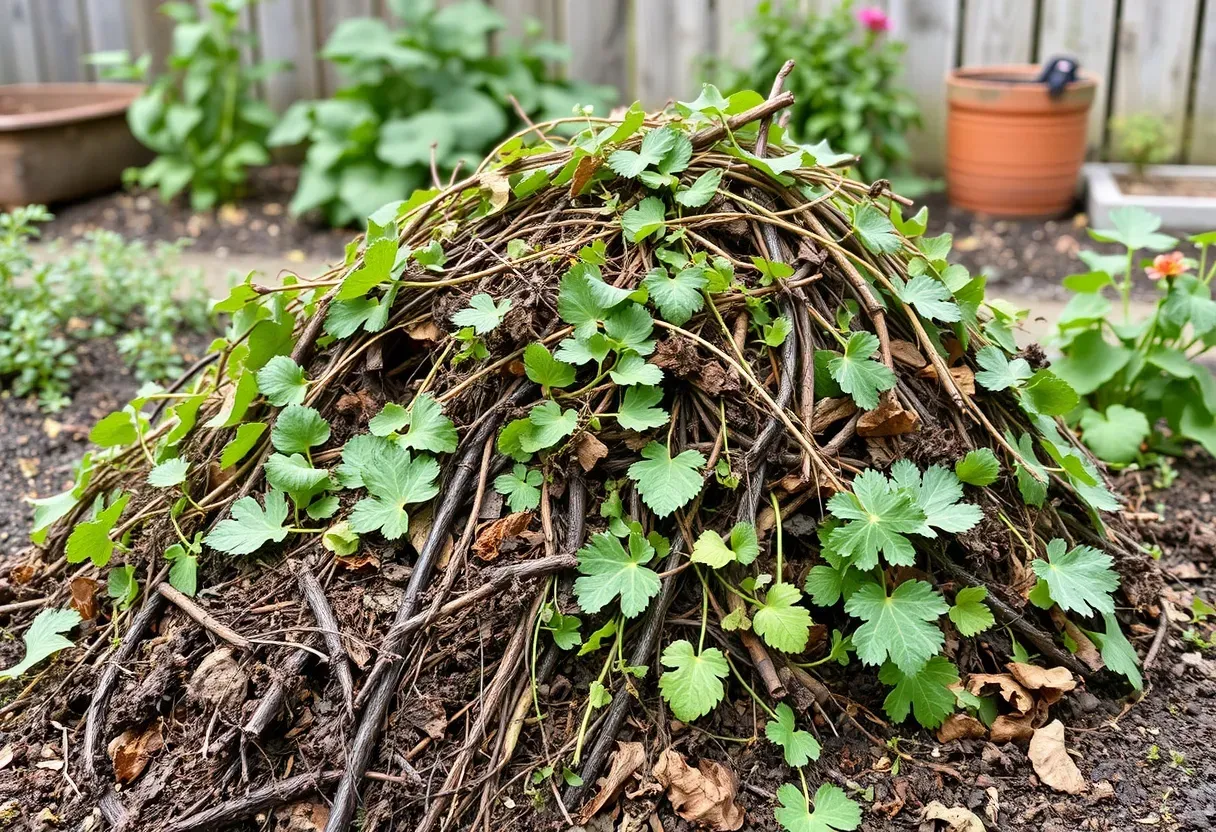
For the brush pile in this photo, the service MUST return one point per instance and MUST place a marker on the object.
(665, 432)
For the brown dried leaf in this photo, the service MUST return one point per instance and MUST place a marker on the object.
(956, 818)
(960, 726)
(1050, 683)
(964, 377)
(830, 411)
(704, 795)
(489, 541)
(22, 574)
(1087, 651)
(1051, 761)
(905, 352)
(84, 596)
(715, 380)
(426, 330)
(628, 758)
(589, 450)
(1006, 728)
(586, 168)
(219, 680)
(302, 817)
(1010, 690)
(888, 419)
(130, 751)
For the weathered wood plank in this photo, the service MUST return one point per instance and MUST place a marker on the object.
(329, 14)
(1202, 140)
(732, 38)
(549, 13)
(1153, 59)
(599, 39)
(19, 54)
(671, 39)
(1083, 30)
(930, 28)
(151, 31)
(998, 32)
(105, 24)
(61, 40)
(288, 33)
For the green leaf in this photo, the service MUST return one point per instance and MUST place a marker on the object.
(744, 542)
(937, 491)
(711, 550)
(655, 145)
(701, 191)
(544, 369)
(772, 270)
(394, 480)
(693, 684)
(482, 313)
(584, 299)
(596, 640)
(250, 527)
(782, 622)
(875, 230)
(1190, 301)
(630, 328)
(43, 639)
(1086, 283)
(293, 474)
(1117, 651)
(833, 810)
(594, 348)
(929, 297)
(799, 747)
(644, 219)
(429, 429)
(898, 626)
(1090, 361)
(547, 424)
(1048, 394)
(377, 268)
(340, 539)
(631, 369)
(878, 518)
(667, 483)
(979, 467)
(1033, 489)
(926, 693)
(858, 375)
(676, 297)
(1115, 435)
(183, 569)
(298, 429)
(122, 586)
(247, 435)
(969, 613)
(565, 630)
(639, 408)
(114, 430)
(282, 381)
(776, 332)
(169, 473)
(1079, 578)
(1134, 228)
(91, 540)
(609, 572)
(521, 487)
(998, 372)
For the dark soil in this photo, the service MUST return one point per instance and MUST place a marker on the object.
(1150, 185)
(257, 224)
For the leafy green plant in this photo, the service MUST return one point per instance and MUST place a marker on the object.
(102, 287)
(847, 74)
(1136, 375)
(428, 93)
(201, 116)
(1143, 139)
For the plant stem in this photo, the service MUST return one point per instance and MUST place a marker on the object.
(780, 576)
(755, 696)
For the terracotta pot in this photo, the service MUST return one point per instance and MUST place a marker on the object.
(1011, 149)
(63, 141)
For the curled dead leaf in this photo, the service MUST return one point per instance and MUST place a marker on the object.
(586, 168)
(1007, 728)
(905, 352)
(489, 542)
(84, 596)
(426, 330)
(131, 750)
(1086, 650)
(628, 758)
(589, 450)
(888, 419)
(956, 818)
(964, 377)
(1051, 761)
(960, 726)
(1049, 683)
(704, 795)
(1009, 689)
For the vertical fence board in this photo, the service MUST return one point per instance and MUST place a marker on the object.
(930, 28)
(19, 41)
(329, 14)
(1153, 59)
(549, 13)
(1202, 140)
(1083, 30)
(998, 32)
(671, 40)
(105, 27)
(61, 40)
(598, 35)
(287, 34)
(151, 31)
(734, 41)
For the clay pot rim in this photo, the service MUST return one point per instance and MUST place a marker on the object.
(977, 84)
(110, 99)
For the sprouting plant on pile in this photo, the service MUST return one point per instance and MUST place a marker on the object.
(700, 367)
(1137, 375)
(102, 287)
(202, 115)
(427, 96)
(847, 70)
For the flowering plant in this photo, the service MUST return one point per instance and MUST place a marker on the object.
(874, 19)
(1138, 375)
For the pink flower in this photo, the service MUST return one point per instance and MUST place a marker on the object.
(1166, 265)
(874, 19)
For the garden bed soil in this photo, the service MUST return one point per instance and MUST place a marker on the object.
(257, 224)
(1150, 185)
(1111, 739)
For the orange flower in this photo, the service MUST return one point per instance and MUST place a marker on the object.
(1166, 265)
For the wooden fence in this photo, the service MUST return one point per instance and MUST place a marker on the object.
(1153, 55)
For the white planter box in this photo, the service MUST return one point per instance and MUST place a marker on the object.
(1184, 213)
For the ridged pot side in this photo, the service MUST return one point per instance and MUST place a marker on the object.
(1012, 149)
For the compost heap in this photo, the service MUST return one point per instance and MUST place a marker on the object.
(569, 454)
